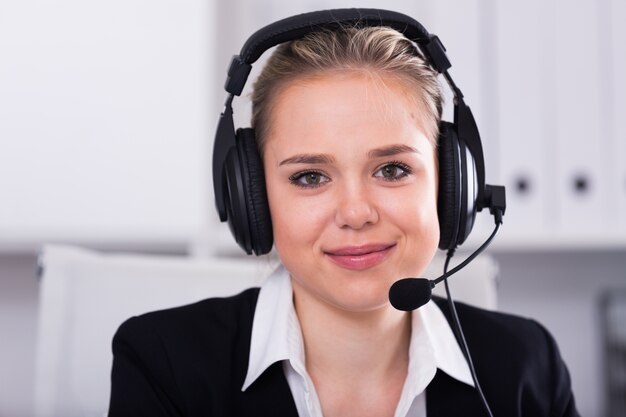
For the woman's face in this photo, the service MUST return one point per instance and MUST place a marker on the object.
(352, 187)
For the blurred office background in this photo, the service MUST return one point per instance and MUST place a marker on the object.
(107, 110)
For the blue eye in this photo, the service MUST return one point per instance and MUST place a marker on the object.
(393, 171)
(308, 179)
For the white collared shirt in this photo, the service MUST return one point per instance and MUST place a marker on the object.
(276, 336)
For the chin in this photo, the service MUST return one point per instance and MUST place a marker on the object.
(362, 298)
(360, 306)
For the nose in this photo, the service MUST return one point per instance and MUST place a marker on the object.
(356, 207)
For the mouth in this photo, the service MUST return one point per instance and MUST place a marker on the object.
(360, 257)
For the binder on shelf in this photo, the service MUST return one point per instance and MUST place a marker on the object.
(525, 95)
(582, 134)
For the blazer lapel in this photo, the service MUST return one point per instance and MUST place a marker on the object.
(269, 395)
(447, 397)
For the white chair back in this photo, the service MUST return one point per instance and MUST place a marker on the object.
(85, 296)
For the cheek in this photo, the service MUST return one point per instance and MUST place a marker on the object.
(427, 218)
(296, 222)
(415, 213)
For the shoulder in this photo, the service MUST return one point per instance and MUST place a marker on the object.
(211, 335)
(498, 328)
(503, 337)
(221, 309)
(203, 319)
(516, 359)
(183, 357)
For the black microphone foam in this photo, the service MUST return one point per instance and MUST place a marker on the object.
(410, 293)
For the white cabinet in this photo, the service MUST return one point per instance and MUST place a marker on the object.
(561, 151)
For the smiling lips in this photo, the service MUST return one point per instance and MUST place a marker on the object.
(360, 257)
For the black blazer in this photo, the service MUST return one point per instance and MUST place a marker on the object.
(192, 360)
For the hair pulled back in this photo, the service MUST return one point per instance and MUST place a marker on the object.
(380, 50)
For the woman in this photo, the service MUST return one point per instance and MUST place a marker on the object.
(346, 123)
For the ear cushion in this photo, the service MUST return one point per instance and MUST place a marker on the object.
(259, 219)
(468, 195)
(235, 200)
(449, 198)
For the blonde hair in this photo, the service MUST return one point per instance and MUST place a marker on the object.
(380, 50)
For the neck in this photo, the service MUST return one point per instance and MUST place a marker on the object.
(346, 345)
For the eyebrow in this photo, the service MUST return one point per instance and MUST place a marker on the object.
(308, 159)
(391, 150)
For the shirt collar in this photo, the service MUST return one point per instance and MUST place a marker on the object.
(448, 355)
(276, 336)
(269, 342)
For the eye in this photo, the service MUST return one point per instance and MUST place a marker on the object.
(393, 171)
(308, 179)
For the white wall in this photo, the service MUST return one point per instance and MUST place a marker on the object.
(106, 119)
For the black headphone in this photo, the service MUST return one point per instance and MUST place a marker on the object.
(238, 176)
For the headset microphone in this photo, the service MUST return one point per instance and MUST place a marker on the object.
(411, 293)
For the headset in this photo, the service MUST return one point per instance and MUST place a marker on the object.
(238, 175)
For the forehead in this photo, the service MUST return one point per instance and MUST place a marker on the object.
(353, 109)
